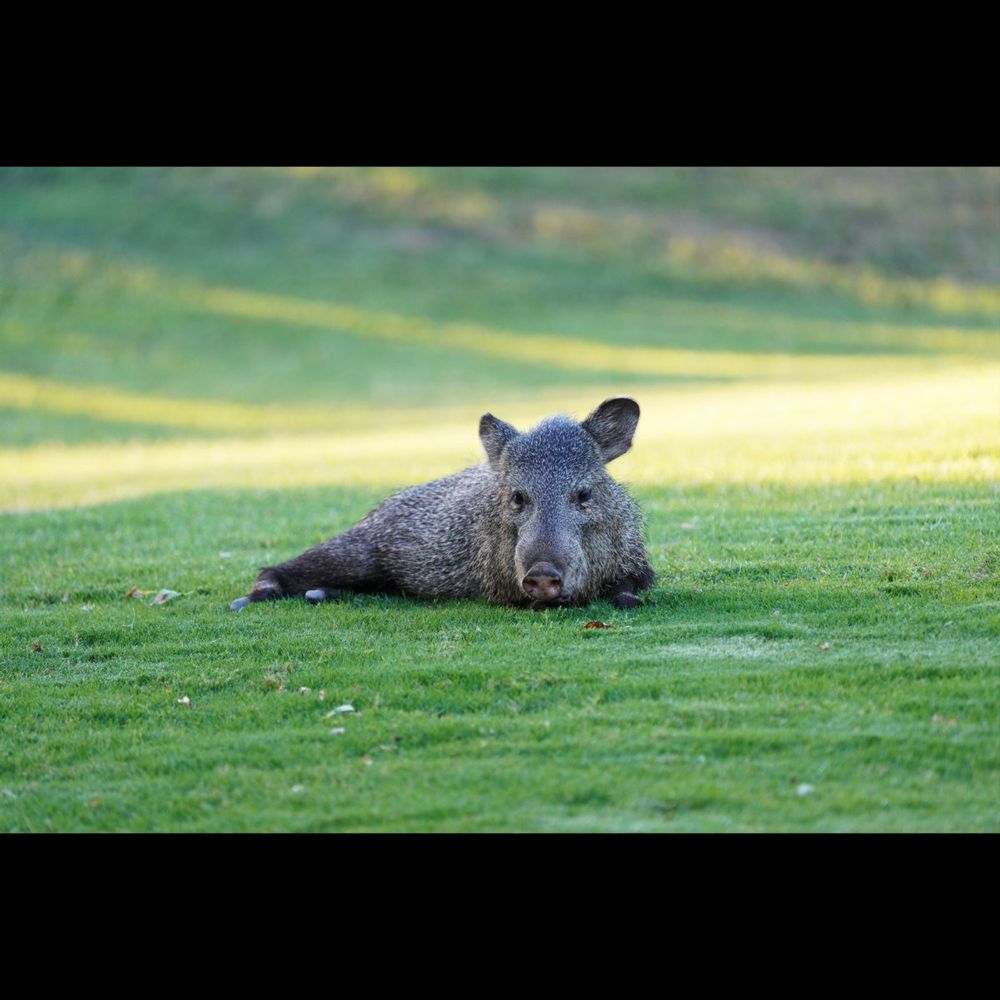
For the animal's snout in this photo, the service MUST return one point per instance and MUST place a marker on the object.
(543, 582)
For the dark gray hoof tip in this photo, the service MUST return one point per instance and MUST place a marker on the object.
(240, 602)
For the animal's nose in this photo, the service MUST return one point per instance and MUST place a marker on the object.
(543, 582)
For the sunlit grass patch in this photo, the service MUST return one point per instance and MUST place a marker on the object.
(940, 427)
(735, 261)
(685, 247)
(395, 189)
(553, 350)
(460, 346)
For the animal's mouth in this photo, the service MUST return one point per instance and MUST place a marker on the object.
(562, 601)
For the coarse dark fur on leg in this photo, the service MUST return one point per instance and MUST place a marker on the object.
(622, 593)
(320, 573)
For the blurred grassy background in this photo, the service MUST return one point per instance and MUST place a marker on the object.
(166, 329)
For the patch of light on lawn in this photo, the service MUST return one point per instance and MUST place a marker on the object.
(103, 402)
(739, 262)
(942, 426)
(552, 351)
(729, 257)
(397, 190)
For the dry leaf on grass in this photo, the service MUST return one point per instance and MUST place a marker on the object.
(36, 646)
(367, 761)
(824, 645)
(163, 596)
(137, 593)
(598, 625)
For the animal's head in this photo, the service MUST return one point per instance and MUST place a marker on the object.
(556, 493)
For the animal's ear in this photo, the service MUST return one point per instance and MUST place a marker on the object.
(495, 435)
(612, 425)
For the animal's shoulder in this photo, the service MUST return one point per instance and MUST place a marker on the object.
(460, 490)
(475, 480)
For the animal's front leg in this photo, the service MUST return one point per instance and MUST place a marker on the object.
(624, 600)
(623, 594)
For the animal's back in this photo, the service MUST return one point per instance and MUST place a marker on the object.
(423, 537)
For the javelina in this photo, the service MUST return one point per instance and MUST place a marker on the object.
(539, 524)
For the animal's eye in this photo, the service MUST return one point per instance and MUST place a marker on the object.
(517, 498)
(583, 496)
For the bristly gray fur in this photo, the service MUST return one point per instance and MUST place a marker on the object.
(542, 498)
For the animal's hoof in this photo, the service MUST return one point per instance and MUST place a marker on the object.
(625, 601)
(240, 602)
(321, 594)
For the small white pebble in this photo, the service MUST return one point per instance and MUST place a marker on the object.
(804, 789)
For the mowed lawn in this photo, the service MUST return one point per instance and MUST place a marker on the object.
(203, 371)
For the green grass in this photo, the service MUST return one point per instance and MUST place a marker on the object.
(817, 460)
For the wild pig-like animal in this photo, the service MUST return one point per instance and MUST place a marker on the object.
(539, 524)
